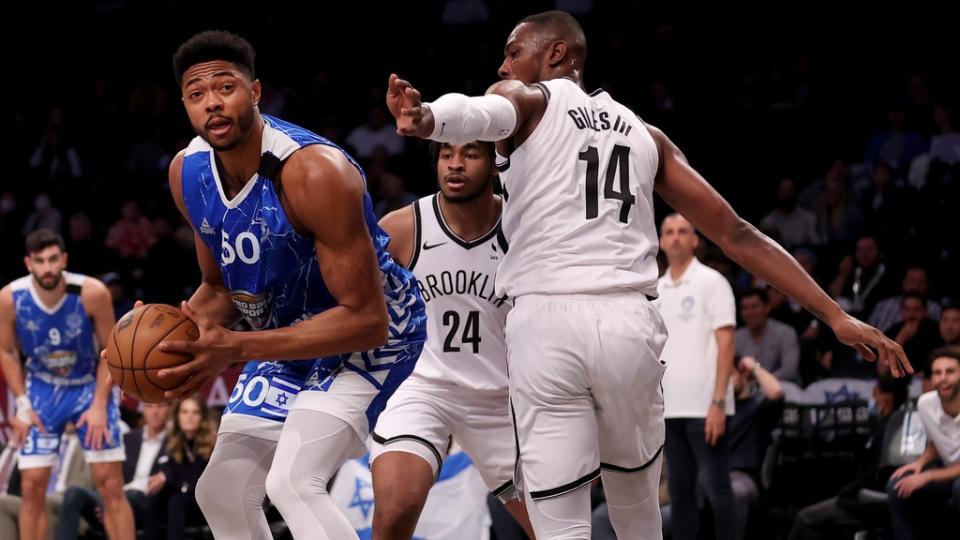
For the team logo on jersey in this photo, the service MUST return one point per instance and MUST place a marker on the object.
(205, 228)
(257, 309)
(60, 363)
(31, 326)
(74, 320)
(687, 305)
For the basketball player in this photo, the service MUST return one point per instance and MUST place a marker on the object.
(583, 339)
(285, 237)
(451, 242)
(59, 321)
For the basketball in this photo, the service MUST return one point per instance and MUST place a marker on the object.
(133, 355)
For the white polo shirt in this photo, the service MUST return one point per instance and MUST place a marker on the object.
(693, 307)
(942, 430)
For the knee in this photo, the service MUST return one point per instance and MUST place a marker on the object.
(34, 491)
(278, 487)
(207, 493)
(110, 487)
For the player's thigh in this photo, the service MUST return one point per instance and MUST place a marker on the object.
(417, 422)
(111, 448)
(54, 408)
(626, 385)
(486, 434)
(549, 341)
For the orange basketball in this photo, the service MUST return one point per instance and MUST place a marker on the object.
(133, 356)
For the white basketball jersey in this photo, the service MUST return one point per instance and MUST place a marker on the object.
(578, 200)
(465, 317)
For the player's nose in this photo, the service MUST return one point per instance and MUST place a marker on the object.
(504, 71)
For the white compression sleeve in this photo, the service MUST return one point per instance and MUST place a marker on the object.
(459, 119)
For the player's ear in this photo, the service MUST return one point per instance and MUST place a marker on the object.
(65, 261)
(557, 54)
(255, 89)
(26, 262)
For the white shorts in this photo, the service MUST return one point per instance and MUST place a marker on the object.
(585, 376)
(424, 414)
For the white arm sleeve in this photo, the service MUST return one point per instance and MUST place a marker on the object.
(459, 119)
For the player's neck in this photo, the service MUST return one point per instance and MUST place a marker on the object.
(238, 165)
(678, 267)
(49, 298)
(471, 220)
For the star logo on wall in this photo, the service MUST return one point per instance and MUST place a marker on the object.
(839, 395)
(362, 497)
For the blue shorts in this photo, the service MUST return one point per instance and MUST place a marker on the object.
(60, 404)
(362, 382)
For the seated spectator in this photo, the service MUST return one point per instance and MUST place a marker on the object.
(772, 343)
(950, 325)
(144, 448)
(919, 491)
(131, 236)
(87, 253)
(792, 225)
(122, 303)
(758, 393)
(823, 519)
(945, 146)
(897, 144)
(189, 444)
(885, 203)
(863, 279)
(44, 216)
(393, 195)
(887, 311)
(838, 221)
(916, 333)
(376, 132)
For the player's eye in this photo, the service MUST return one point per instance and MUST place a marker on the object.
(194, 95)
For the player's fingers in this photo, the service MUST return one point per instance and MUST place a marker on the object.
(901, 357)
(185, 347)
(137, 304)
(182, 370)
(192, 385)
(412, 94)
(865, 352)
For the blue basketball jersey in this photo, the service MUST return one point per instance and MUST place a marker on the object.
(60, 343)
(270, 269)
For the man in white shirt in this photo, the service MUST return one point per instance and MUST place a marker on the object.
(934, 478)
(698, 308)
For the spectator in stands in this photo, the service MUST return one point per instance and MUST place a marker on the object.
(916, 333)
(758, 396)
(44, 216)
(55, 158)
(945, 146)
(697, 306)
(393, 194)
(950, 325)
(849, 509)
(189, 444)
(131, 236)
(838, 221)
(376, 132)
(919, 491)
(887, 312)
(885, 203)
(87, 252)
(145, 447)
(773, 343)
(895, 145)
(122, 303)
(862, 280)
(791, 225)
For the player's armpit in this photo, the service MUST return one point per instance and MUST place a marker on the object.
(400, 225)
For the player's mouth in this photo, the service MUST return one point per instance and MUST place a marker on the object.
(219, 126)
(455, 181)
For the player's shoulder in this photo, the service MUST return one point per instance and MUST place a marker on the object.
(400, 222)
(19, 284)
(90, 287)
(319, 165)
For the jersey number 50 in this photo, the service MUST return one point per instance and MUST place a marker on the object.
(246, 247)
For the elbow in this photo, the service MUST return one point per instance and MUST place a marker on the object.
(776, 395)
(737, 232)
(375, 329)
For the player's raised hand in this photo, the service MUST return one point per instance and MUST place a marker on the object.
(867, 339)
(98, 433)
(213, 351)
(403, 101)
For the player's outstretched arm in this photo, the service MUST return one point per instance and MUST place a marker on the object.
(211, 299)
(400, 226)
(324, 193)
(509, 110)
(689, 194)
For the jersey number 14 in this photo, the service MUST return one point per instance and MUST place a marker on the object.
(619, 162)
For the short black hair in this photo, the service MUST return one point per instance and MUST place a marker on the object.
(758, 292)
(486, 146)
(914, 295)
(41, 239)
(214, 45)
(898, 386)
(944, 352)
(564, 27)
(949, 306)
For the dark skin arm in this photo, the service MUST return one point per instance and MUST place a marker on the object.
(688, 193)
(400, 225)
(324, 195)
